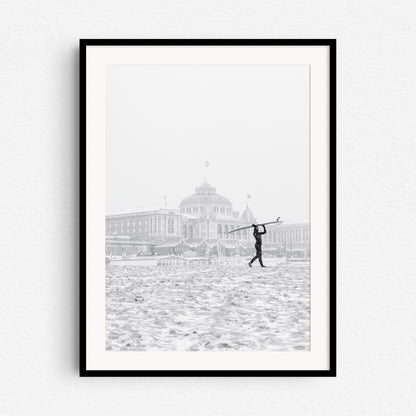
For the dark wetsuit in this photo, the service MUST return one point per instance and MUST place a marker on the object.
(257, 235)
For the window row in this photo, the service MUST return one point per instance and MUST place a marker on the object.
(201, 210)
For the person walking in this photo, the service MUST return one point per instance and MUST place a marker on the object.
(257, 235)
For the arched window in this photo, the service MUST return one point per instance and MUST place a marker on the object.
(232, 235)
(226, 231)
(190, 232)
(219, 231)
(170, 225)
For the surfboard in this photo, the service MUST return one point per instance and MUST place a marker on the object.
(250, 226)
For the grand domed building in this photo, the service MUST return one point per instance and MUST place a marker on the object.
(206, 214)
(202, 224)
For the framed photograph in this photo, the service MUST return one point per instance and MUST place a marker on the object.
(207, 207)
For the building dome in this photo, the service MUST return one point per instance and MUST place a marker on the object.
(205, 194)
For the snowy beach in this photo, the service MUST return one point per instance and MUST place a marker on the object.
(216, 307)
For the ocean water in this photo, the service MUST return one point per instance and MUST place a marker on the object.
(219, 307)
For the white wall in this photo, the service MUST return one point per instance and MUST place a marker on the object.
(39, 219)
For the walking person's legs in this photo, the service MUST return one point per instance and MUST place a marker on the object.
(253, 260)
(259, 256)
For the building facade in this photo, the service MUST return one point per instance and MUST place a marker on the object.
(203, 220)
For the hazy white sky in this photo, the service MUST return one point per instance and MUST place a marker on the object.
(251, 122)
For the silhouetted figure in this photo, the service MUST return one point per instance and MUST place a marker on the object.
(257, 235)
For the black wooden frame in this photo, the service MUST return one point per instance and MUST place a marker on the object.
(331, 43)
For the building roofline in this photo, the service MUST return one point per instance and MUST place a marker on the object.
(154, 211)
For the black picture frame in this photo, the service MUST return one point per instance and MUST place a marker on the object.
(331, 372)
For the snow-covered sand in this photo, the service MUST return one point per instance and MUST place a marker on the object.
(207, 308)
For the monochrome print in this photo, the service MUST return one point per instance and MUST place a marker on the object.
(207, 244)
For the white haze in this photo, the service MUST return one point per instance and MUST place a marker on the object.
(250, 122)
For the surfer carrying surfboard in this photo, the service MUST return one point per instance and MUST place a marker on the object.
(257, 235)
